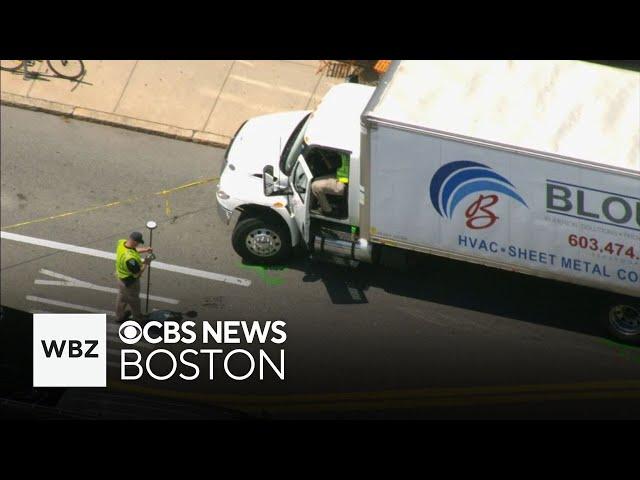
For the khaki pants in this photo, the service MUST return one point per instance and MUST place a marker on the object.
(326, 185)
(128, 296)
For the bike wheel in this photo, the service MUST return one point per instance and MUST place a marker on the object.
(70, 69)
(11, 65)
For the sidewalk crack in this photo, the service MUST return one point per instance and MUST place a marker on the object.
(125, 86)
(204, 127)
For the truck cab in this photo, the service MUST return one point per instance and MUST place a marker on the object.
(268, 173)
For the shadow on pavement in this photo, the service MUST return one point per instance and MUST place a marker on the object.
(471, 287)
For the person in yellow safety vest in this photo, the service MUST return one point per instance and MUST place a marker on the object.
(129, 269)
(333, 184)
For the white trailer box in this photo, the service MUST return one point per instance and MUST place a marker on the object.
(531, 166)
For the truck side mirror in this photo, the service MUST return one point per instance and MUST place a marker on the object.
(268, 181)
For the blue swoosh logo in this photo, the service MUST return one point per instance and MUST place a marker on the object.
(442, 174)
(456, 180)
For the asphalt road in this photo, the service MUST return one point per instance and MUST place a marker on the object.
(446, 335)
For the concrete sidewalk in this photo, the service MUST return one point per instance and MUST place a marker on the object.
(195, 100)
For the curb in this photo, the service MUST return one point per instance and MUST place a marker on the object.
(114, 120)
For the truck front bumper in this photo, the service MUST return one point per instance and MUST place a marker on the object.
(224, 214)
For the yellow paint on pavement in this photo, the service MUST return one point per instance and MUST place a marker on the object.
(195, 183)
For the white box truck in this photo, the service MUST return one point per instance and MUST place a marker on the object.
(528, 166)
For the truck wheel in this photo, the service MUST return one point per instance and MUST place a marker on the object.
(263, 241)
(624, 323)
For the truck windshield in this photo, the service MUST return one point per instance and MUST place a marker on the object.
(294, 147)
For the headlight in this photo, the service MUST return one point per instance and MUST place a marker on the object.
(221, 195)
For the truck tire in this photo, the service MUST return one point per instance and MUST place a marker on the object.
(261, 240)
(623, 323)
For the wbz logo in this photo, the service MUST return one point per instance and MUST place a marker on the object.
(69, 350)
(74, 349)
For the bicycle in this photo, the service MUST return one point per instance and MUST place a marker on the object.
(69, 69)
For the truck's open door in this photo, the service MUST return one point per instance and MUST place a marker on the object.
(300, 181)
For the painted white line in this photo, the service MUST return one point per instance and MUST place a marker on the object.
(74, 282)
(50, 273)
(73, 306)
(52, 282)
(57, 245)
(243, 282)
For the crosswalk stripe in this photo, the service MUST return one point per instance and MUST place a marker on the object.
(73, 306)
(243, 282)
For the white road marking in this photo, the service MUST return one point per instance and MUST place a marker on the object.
(73, 306)
(243, 282)
(74, 282)
(53, 274)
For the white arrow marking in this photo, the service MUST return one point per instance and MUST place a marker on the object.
(243, 282)
(73, 306)
(74, 282)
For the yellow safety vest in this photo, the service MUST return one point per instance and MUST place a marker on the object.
(343, 171)
(123, 255)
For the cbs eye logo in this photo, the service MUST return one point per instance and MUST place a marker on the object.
(130, 332)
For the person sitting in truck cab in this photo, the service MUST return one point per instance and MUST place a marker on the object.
(334, 183)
